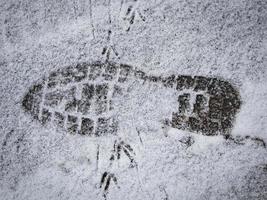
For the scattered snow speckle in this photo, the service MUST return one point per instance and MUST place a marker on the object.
(209, 38)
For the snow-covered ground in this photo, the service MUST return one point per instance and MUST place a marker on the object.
(224, 39)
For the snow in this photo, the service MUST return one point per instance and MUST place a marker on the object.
(224, 39)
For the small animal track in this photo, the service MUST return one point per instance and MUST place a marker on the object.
(119, 147)
(79, 99)
(132, 12)
(105, 181)
(109, 48)
(127, 149)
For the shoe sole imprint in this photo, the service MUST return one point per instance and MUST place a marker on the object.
(79, 99)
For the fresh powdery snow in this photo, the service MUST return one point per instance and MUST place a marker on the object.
(132, 99)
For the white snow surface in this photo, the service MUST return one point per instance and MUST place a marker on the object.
(224, 39)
